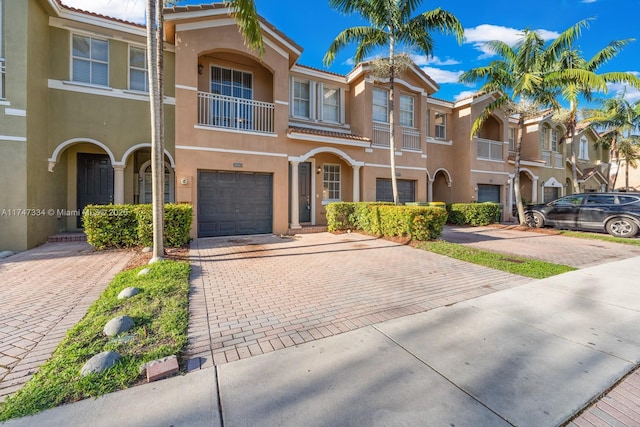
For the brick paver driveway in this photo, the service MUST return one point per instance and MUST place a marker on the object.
(43, 293)
(257, 294)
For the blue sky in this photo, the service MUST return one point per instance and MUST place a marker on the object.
(313, 25)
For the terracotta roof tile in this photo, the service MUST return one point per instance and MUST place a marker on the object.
(98, 15)
(328, 133)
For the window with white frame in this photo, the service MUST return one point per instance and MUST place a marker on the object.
(301, 98)
(554, 140)
(440, 125)
(544, 136)
(331, 104)
(331, 182)
(406, 110)
(512, 139)
(2, 69)
(230, 82)
(380, 105)
(90, 60)
(583, 152)
(138, 69)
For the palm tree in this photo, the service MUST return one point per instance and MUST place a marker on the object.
(575, 77)
(516, 80)
(618, 120)
(391, 25)
(244, 11)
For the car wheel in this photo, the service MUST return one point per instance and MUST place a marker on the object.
(534, 219)
(622, 227)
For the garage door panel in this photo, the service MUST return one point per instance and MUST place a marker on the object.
(234, 203)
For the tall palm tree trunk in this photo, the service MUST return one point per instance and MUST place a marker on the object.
(574, 148)
(392, 127)
(155, 41)
(516, 172)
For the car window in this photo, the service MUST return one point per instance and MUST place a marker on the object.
(569, 200)
(623, 200)
(601, 199)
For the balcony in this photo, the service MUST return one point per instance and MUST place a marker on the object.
(381, 134)
(552, 158)
(227, 112)
(410, 139)
(488, 149)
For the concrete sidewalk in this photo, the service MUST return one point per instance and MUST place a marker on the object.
(531, 355)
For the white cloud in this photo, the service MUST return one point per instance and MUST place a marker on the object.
(589, 1)
(631, 94)
(478, 36)
(128, 10)
(464, 94)
(421, 60)
(442, 76)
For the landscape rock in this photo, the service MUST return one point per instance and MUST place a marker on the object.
(146, 250)
(118, 325)
(5, 254)
(99, 363)
(128, 292)
(144, 271)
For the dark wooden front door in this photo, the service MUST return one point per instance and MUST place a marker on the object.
(95, 181)
(304, 191)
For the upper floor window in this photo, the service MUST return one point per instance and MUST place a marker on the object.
(229, 82)
(380, 105)
(406, 110)
(301, 98)
(512, 139)
(441, 125)
(554, 140)
(331, 182)
(138, 69)
(489, 149)
(544, 136)
(331, 104)
(583, 152)
(90, 60)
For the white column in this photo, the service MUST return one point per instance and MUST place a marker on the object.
(295, 195)
(356, 183)
(118, 185)
(429, 189)
(534, 192)
(510, 205)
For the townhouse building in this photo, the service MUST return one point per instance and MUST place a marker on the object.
(254, 144)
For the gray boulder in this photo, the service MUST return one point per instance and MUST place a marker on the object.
(4, 254)
(128, 292)
(99, 363)
(144, 271)
(118, 325)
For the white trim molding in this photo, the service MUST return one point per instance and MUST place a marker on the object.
(104, 91)
(244, 132)
(13, 138)
(224, 150)
(15, 112)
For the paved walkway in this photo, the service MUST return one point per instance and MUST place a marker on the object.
(43, 293)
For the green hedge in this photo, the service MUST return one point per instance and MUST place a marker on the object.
(475, 214)
(123, 226)
(383, 219)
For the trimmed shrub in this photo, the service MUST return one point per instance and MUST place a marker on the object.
(384, 219)
(122, 226)
(475, 214)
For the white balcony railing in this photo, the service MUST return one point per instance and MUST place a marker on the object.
(227, 112)
(557, 161)
(2, 70)
(489, 149)
(410, 139)
(552, 158)
(381, 134)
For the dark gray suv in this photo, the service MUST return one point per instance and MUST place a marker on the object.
(616, 213)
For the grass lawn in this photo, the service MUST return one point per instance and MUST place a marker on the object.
(603, 237)
(160, 312)
(509, 263)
